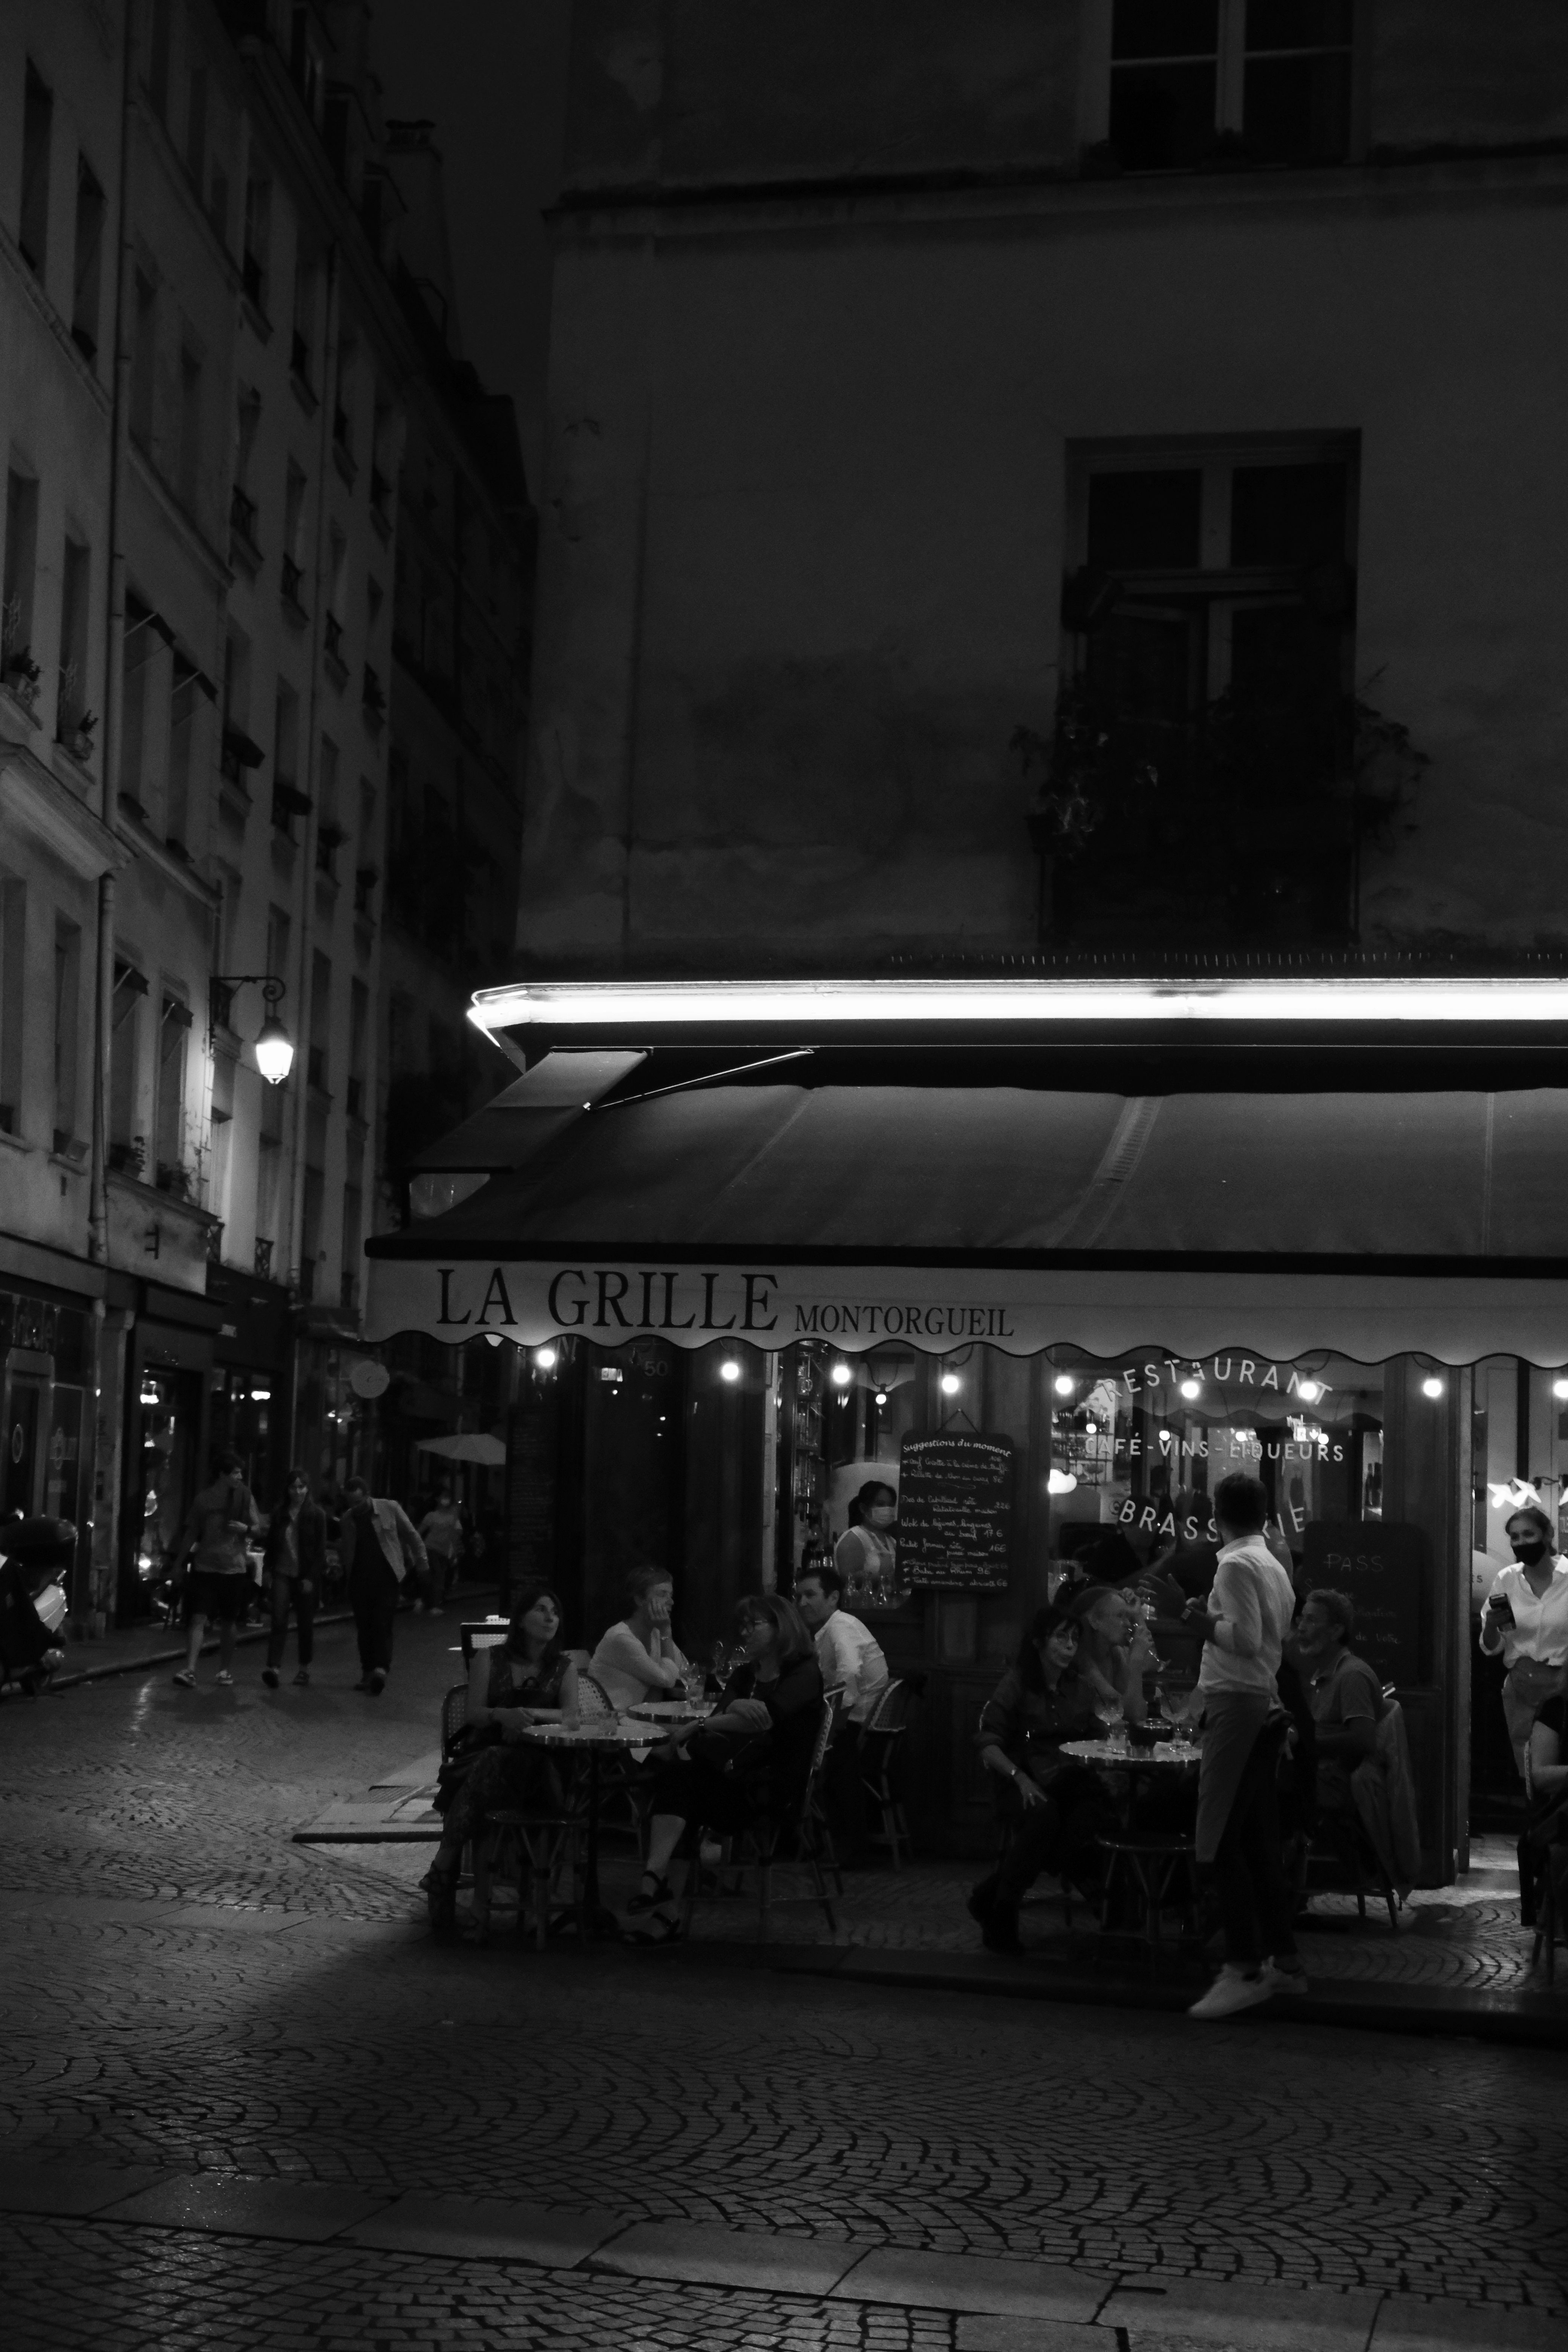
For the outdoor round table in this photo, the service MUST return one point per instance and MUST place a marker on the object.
(1151, 1861)
(671, 1713)
(598, 1737)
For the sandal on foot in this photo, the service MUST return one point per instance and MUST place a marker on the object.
(662, 1893)
(660, 1929)
(185, 1679)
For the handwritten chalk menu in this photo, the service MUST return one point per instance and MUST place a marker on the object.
(1384, 1567)
(955, 1512)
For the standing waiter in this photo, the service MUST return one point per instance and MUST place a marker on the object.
(1245, 1621)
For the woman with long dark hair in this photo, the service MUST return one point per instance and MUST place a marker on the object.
(525, 1679)
(1053, 1806)
(749, 1761)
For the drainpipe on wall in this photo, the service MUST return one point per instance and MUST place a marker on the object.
(107, 1336)
(312, 769)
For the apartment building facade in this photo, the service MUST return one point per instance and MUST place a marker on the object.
(927, 383)
(200, 555)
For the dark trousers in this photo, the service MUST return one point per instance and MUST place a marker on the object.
(843, 1792)
(1058, 1835)
(1248, 1871)
(298, 1592)
(373, 1597)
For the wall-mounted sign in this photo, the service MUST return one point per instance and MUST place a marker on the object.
(956, 1511)
(1383, 1566)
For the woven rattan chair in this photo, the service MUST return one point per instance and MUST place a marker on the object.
(759, 1845)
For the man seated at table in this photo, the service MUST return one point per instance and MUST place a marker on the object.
(852, 1662)
(1343, 1692)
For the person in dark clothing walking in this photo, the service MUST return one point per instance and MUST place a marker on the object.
(379, 1546)
(295, 1558)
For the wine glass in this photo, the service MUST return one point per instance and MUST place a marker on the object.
(1109, 1711)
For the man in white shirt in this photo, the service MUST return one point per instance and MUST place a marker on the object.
(1248, 1617)
(851, 1661)
(1525, 1616)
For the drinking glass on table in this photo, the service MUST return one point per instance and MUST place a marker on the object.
(1111, 1713)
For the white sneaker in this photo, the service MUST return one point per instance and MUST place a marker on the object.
(1233, 1988)
(1286, 1976)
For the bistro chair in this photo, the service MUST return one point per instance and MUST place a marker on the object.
(879, 1739)
(454, 1718)
(1148, 1871)
(760, 1845)
(1339, 1842)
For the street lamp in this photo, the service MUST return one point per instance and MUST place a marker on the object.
(274, 1046)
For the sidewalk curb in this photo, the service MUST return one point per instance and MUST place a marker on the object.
(871, 2272)
(1371, 2009)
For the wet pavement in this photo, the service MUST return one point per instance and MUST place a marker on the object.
(202, 2014)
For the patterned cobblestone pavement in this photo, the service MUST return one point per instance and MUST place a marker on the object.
(181, 1985)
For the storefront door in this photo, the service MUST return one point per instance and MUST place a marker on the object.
(26, 1397)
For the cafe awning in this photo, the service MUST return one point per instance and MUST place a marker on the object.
(1372, 1224)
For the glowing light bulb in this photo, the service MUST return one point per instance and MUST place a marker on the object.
(1432, 1386)
(1063, 1384)
(881, 1396)
(842, 1376)
(1060, 1482)
(274, 1050)
(1310, 1391)
(1192, 1390)
(950, 1384)
(546, 1359)
(1559, 1390)
(728, 1369)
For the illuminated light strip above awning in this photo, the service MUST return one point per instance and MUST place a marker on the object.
(635, 1008)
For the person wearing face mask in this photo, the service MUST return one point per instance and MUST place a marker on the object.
(1525, 1617)
(866, 1554)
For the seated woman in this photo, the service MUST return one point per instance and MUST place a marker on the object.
(639, 1658)
(1054, 1805)
(1115, 1648)
(1546, 1822)
(524, 1679)
(749, 1762)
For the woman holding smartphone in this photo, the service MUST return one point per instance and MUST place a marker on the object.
(1525, 1617)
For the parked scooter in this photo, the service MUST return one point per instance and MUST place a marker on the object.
(34, 1556)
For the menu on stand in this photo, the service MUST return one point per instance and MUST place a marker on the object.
(956, 1511)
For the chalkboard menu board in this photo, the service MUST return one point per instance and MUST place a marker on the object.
(955, 1512)
(1383, 1566)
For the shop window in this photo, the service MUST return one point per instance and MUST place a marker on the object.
(258, 238)
(18, 668)
(160, 48)
(74, 721)
(86, 287)
(143, 360)
(182, 738)
(38, 138)
(12, 998)
(1196, 82)
(169, 1100)
(67, 1035)
(1208, 687)
(190, 451)
(127, 1150)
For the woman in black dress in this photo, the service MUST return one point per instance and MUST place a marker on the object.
(524, 1679)
(749, 1762)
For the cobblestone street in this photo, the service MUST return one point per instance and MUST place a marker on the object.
(187, 1992)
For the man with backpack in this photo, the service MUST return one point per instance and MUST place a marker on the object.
(212, 1549)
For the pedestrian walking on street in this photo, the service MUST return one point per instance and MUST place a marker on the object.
(212, 1551)
(1246, 1619)
(295, 1558)
(444, 1537)
(380, 1545)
